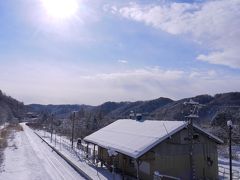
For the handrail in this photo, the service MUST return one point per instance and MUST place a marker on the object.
(160, 176)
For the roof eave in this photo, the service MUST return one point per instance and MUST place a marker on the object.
(211, 136)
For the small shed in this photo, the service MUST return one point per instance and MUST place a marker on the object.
(146, 148)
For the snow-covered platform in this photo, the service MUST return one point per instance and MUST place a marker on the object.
(28, 158)
(77, 157)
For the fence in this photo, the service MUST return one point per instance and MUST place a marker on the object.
(80, 151)
(88, 155)
(224, 172)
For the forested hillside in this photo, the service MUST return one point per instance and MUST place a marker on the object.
(213, 115)
(10, 108)
(215, 112)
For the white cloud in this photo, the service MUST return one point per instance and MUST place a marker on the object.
(43, 82)
(214, 24)
(122, 61)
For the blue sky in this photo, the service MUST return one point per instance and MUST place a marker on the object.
(119, 50)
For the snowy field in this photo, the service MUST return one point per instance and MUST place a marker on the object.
(28, 158)
(78, 157)
(63, 145)
(3, 125)
(223, 164)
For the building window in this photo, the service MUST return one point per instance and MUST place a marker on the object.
(131, 162)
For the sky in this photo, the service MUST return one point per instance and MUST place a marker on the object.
(90, 52)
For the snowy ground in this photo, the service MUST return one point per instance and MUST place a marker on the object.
(224, 168)
(3, 125)
(64, 146)
(28, 158)
(223, 164)
(93, 170)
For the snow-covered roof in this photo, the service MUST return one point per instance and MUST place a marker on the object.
(135, 138)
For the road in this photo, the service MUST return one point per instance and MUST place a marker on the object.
(28, 158)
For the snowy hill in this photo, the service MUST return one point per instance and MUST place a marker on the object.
(10, 108)
(214, 114)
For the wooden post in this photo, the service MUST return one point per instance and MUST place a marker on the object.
(101, 156)
(94, 153)
(123, 166)
(73, 119)
(87, 151)
(137, 162)
(230, 150)
(113, 167)
(51, 126)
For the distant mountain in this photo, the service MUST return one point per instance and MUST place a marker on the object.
(10, 108)
(228, 103)
(214, 114)
(60, 111)
(161, 108)
(123, 109)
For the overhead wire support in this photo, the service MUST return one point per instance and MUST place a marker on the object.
(194, 108)
(73, 127)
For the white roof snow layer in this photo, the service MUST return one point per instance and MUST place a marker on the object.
(134, 138)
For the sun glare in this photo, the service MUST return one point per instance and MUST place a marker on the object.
(60, 9)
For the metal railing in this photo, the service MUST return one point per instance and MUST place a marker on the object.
(158, 176)
(81, 152)
(224, 172)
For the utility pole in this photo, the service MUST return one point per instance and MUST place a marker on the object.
(229, 124)
(51, 126)
(73, 124)
(55, 137)
(18, 112)
(44, 129)
(60, 144)
(193, 115)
